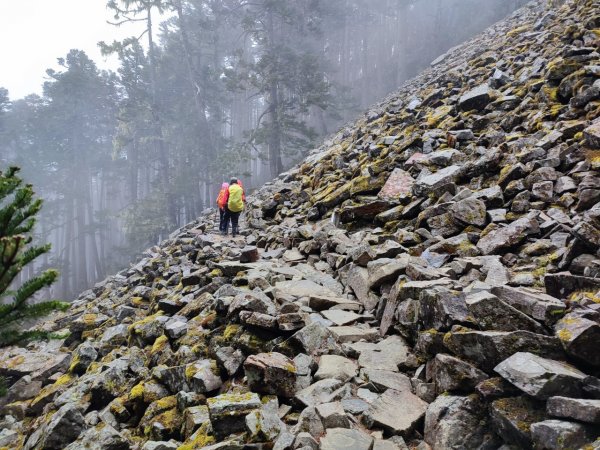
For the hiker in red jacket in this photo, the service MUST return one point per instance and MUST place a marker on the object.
(222, 205)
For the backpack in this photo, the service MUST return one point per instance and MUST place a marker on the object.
(221, 198)
(236, 200)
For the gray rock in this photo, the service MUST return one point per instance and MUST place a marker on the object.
(429, 183)
(338, 367)
(342, 438)
(385, 355)
(83, 356)
(309, 422)
(193, 418)
(583, 410)
(100, 437)
(386, 379)
(340, 317)
(540, 377)
(255, 301)
(358, 280)
(320, 303)
(559, 435)
(453, 422)
(452, 374)
(384, 412)
(476, 98)
(176, 328)
(313, 337)
(230, 358)
(580, 337)
(249, 254)
(385, 270)
(470, 211)
(271, 373)
(306, 441)
(513, 417)
(353, 334)
(592, 135)
(228, 412)
(333, 415)
(264, 424)
(487, 349)
(491, 313)
(201, 376)
(509, 236)
(323, 391)
(303, 288)
(60, 430)
(535, 304)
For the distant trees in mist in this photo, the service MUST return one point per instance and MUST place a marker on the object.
(221, 88)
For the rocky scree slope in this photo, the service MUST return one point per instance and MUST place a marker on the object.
(426, 279)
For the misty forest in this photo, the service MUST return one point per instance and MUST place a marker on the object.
(211, 89)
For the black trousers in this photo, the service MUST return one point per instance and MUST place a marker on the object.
(234, 217)
(222, 216)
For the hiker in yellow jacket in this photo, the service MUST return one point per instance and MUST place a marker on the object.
(234, 199)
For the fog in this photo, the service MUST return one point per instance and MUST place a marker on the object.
(222, 88)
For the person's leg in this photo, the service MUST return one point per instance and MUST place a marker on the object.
(234, 223)
(221, 219)
(226, 222)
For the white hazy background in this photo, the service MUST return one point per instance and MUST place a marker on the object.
(34, 33)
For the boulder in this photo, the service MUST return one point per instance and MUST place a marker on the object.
(535, 304)
(338, 438)
(453, 422)
(486, 349)
(228, 412)
(477, 98)
(580, 409)
(579, 337)
(60, 430)
(512, 419)
(559, 435)
(338, 367)
(452, 374)
(271, 373)
(491, 313)
(541, 377)
(509, 236)
(384, 412)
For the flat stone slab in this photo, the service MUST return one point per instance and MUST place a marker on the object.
(343, 438)
(535, 304)
(386, 379)
(398, 186)
(395, 411)
(584, 410)
(320, 392)
(385, 355)
(338, 367)
(354, 334)
(340, 317)
(321, 303)
(541, 377)
(442, 177)
(303, 288)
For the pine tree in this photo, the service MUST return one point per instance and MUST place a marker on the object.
(18, 208)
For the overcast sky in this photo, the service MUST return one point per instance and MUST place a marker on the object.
(34, 33)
